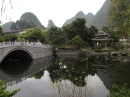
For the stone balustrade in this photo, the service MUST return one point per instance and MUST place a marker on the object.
(6, 44)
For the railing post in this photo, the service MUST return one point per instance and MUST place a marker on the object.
(21, 42)
(3, 43)
(34, 43)
(15, 43)
(24, 43)
(9, 43)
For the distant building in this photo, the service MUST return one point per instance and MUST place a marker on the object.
(15, 31)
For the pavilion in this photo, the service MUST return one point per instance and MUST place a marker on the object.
(101, 38)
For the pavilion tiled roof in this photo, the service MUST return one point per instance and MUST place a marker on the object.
(101, 36)
(101, 33)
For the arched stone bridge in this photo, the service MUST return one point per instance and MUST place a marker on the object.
(24, 50)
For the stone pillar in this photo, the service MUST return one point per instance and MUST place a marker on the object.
(105, 45)
(3, 43)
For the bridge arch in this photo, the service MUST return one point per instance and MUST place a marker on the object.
(20, 53)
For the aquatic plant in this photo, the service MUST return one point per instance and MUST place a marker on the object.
(120, 91)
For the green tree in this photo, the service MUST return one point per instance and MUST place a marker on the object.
(1, 34)
(119, 16)
(77, 41)
(46, 35)
(57, 36)
(92, 31)
(4, 92)
(51, 32)
(77, 27)
(1, 38)
(112, 34)
(34, 35)
(10, 37)
(1, 31)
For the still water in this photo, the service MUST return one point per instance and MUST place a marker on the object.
(63, 77)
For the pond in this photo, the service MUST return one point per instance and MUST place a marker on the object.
(89, 76)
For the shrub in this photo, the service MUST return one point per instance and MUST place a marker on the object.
(119, 46)
(98, 47)
(10, 37)
(85, 51)
(77, 41)
(120, 91)
(1, 38)
(4, 92)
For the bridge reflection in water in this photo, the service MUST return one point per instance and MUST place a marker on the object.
(15, 72)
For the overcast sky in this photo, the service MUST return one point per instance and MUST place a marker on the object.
(57, 10)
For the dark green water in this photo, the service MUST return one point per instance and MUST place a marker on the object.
(91, 76)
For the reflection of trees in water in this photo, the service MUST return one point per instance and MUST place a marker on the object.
(39, 75)
(68, 75)
(74, 70)
(101, 60)
(120, 73)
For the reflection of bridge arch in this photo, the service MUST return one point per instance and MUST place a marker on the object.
(36, 66)
(18, 52)
(2, 72)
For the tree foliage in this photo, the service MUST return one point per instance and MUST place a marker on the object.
(91, 34)
(33, 35)
(92, 31)
(120, 91)
(57, 36)
(112, 34)
(4, 92)
(75, 30)
(77, 27)
(10, 37)
(1, 34)
(119, 16)
(77, 41)
(1, 38)
(1, 31)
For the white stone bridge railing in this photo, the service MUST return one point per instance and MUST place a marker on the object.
(34, 44)
(34, 49)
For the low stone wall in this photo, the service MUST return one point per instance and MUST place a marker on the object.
(68, 52)
(76, 53)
